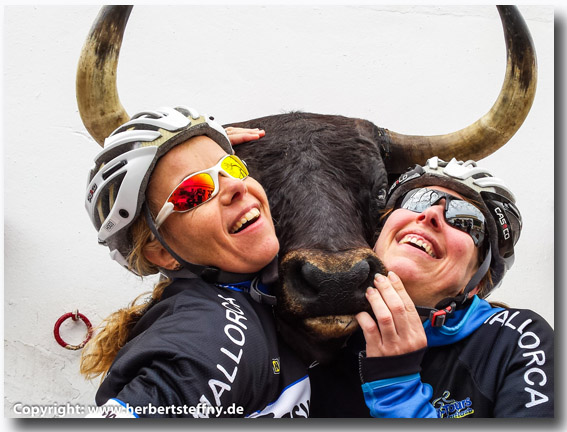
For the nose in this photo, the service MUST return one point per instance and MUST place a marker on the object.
(231, 189)
(342, 289)
(433, 215)
(323, 283)
(317, 278)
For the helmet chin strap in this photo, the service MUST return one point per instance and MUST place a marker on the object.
(438, 315)
(207, 273)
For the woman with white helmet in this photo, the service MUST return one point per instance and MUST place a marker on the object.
(435, 347)
(168, 195)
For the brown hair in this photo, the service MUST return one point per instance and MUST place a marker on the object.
(100, 351)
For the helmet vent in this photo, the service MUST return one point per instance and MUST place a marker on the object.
(113, 169)
(107, 198)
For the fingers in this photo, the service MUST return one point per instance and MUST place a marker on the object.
(241, 135)
(402, 293)
(383, 312)
(389, 288)
(231, 130)
(398, 323)
(371, 334)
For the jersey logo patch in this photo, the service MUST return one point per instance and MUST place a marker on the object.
(450, 408)
(276, 365)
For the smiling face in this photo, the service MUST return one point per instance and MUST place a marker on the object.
(232, 231)
(433, 259)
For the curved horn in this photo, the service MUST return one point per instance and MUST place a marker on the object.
(97, 94)
(495, 128)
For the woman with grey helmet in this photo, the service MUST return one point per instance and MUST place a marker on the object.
(167, 195)
(435, 347)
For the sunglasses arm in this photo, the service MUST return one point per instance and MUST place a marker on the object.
(164, 213)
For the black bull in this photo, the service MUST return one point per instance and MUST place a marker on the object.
(326, 178)
(325, 202)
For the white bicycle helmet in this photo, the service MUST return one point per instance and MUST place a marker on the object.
(117, 183)
(498, 204)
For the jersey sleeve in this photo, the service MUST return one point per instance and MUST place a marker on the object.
(401, 397)
(392, 386)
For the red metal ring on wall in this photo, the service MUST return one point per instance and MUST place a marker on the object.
(75, 316)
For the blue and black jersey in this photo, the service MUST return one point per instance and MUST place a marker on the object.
(485, 362)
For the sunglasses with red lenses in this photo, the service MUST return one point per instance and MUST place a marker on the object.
(201, 187)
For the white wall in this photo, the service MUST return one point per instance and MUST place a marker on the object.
(415, 70)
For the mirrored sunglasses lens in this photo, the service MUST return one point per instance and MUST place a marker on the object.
(234, 167)
(466, 217)
(192, 192)
(419, 200)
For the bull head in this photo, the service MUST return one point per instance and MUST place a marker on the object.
(325, 224)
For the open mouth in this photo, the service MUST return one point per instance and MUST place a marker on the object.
(245, 221)
(420, 244)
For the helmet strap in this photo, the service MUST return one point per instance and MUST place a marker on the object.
(207, 273)
(438, 315)
(480, 273)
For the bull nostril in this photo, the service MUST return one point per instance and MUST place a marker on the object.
(320, 279)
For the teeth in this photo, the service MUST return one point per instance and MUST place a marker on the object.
(419, 243)
(251, 215)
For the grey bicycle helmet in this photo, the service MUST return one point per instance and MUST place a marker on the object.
(117, 183)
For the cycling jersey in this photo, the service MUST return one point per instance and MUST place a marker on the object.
(205, 351)
(485, 362)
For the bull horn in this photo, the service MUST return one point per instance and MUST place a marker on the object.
(495, 128)
(97, 94)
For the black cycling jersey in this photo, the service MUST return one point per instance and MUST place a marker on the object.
(206, 351)
(502, 366)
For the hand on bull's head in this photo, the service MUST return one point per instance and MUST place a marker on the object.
(243, 135)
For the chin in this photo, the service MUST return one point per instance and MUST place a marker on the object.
(255, 264)
(267, 252)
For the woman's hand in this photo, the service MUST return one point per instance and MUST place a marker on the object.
(242, 135)
(398, 328)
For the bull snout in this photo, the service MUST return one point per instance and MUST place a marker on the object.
(318, 284)
(336, 283)
(318, 296)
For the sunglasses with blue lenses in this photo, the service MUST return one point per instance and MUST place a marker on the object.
(458, 213)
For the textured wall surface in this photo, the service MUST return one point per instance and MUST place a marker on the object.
(412, 69)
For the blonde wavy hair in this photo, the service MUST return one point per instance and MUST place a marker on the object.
(112, 334)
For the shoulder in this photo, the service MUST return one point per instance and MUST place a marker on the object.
(198, 311)
(517, 322)
(519, 348)
(513, 333)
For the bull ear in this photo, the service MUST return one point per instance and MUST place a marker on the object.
(97, 94)
(495, 128)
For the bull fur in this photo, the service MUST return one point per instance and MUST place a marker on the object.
(332, 168)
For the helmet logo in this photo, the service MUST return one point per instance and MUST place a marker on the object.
(91, 193)
(109, 225)
(404, 178)
(503, 223)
